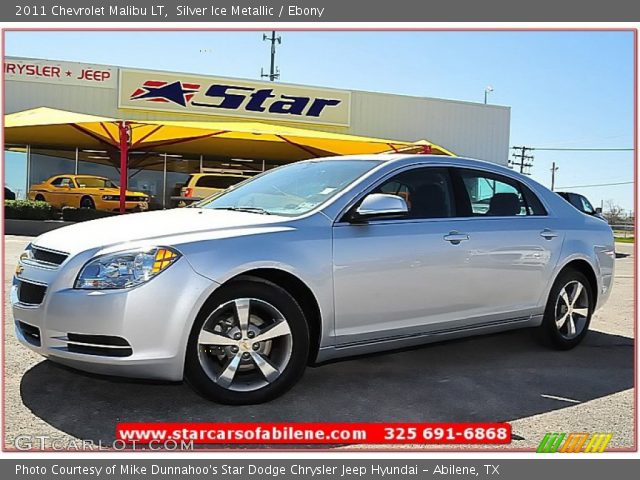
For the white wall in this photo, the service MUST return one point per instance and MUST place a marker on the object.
(468, 129)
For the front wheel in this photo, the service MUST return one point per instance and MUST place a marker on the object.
(87, 202)
(249, 344)
(568, 312)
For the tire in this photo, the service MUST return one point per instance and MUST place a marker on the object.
(40, 198)
(566, 318)
(234, 372)
(87, 202)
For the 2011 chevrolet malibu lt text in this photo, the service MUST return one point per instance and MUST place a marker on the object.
(309, 262)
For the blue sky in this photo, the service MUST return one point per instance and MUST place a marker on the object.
(566, 89)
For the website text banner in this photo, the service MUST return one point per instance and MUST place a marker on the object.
(316, 433)
(298, 469)
(316, 11)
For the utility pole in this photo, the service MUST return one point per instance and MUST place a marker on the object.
(554, 169)
(522, 160)
(274, 72)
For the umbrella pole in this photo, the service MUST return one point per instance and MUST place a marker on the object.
(124, 155)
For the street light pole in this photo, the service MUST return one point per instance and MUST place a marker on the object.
(487, 90)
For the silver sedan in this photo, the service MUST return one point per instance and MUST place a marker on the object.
(309, 262)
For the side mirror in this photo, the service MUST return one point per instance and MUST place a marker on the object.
(599, 210)
(381, 205)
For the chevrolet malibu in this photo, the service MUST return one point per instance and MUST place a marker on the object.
(310, 262)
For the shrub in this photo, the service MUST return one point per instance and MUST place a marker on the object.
(28, 210)
(70, 214)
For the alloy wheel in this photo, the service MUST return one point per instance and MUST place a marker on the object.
(245, 344)
(572, 309)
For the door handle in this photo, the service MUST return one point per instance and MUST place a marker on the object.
(455, 238)
(548, 234)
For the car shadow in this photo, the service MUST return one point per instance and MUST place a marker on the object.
(498, 377)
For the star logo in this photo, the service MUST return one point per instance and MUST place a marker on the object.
(163, 92)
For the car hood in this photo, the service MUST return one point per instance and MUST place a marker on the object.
(115, 191)
(152, 227)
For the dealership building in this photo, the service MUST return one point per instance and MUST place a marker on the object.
(66, 117)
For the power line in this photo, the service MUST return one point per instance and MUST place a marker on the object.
(598, 185)
(525, 161)
(582, 149)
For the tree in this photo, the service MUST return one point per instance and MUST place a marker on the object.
(614, 213)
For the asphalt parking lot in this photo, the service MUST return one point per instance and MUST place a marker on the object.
(503, 377)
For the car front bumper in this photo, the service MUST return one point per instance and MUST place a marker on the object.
(140, 332)
(114, 205)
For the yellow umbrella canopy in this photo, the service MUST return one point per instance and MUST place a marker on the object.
(58, 128)
(55, 128)
(425, 146)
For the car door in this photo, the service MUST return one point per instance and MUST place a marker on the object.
(59, 195)
(512, 248)
(71, 194)
(400, 276)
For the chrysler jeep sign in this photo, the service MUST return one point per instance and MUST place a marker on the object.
(64, 73)
(177, 93)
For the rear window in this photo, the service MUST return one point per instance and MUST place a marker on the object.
(490, 194)
(217, 181)
(95, 182)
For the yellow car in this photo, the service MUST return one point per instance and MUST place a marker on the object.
(202, 185)
(86, 191)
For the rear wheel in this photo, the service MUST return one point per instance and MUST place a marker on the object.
(249, 345)
(568, 312)
(87, 202)
(40, 198)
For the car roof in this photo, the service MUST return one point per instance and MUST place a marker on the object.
(76, 175)
(223, 174)
(401, 158)
(89, 176)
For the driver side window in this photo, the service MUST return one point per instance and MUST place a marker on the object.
(63, 182)
(426, 190)
(67, 183)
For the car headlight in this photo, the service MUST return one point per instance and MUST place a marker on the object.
(27, 254)
(125, 269)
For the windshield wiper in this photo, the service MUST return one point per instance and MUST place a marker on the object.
(259, 210)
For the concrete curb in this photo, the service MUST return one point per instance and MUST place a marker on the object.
(32, 228)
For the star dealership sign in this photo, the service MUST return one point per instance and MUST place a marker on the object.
(217, 96)
(164, 92)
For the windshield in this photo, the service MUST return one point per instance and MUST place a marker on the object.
(92, 182)
(292, 190)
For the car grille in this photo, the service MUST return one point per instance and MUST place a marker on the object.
(101, 345)
(116, 198)
(47, 256)
(30, 333)
(30, 293)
